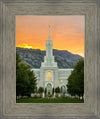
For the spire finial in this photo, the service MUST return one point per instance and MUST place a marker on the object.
(49, 24)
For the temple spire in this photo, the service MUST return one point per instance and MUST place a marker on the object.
(49, 31)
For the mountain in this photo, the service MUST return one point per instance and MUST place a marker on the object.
(34, 57)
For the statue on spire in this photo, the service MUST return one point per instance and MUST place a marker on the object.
(49, 24)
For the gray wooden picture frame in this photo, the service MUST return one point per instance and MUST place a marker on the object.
(90, 109)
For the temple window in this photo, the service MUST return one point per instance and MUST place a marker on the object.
(49, 76)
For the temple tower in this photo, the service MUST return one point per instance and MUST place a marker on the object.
(49, 68)
(49, 58)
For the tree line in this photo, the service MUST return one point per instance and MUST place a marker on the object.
(25, 78)
(75, 85)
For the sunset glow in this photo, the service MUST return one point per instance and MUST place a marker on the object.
(28, 47)
(67, 32)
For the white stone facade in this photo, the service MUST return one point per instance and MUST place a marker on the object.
(49, 73)
(59, 77)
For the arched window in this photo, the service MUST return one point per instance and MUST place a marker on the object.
(49, 76)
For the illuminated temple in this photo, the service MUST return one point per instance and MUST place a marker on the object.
(49, 75)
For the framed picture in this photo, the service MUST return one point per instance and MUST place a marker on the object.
(10, 11)
(50, 54)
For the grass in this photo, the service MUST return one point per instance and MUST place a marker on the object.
(51, 100)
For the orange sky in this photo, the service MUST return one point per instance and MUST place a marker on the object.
(67, 32)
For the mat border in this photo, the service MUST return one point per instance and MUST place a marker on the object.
(8, 10)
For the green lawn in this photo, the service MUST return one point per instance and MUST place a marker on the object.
(51, 100)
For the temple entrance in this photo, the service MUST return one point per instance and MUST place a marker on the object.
(48, 92)
(49, 89)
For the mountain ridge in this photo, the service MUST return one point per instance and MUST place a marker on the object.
(34, 57)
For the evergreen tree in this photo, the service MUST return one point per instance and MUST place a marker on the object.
(75, 84)
(40, 90)
(25, 78)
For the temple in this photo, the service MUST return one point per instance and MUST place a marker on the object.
(49, 75)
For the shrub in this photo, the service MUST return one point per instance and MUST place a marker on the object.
(57, 90)
(40, 90)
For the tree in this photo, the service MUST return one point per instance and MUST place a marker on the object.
(75, 84)
(57, 90)
(32, 79)
(40, 90)
(25, 78)
(18, 60)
